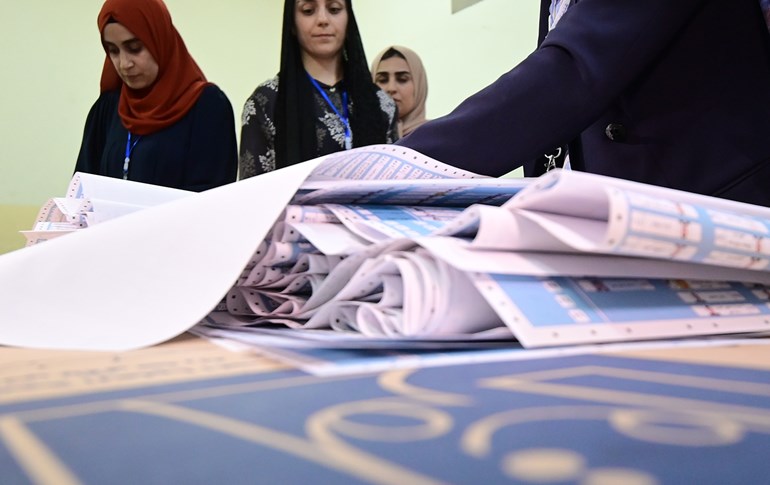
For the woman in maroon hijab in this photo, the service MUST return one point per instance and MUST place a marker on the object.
(157, 119)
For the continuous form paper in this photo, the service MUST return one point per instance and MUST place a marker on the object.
(91, 199)
(143, 278)
(152, 274)
(327, 353)
(394, 289)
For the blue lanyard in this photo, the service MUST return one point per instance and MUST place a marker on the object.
(344, 118)
(129, 148)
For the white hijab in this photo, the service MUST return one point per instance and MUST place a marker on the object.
(417, 117)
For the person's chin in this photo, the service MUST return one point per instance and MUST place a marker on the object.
(135, 84)
(328, 45)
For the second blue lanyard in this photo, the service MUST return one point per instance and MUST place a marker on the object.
(345, 116)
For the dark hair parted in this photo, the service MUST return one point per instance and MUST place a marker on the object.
(295, 139)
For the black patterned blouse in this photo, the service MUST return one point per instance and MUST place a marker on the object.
(257, 150)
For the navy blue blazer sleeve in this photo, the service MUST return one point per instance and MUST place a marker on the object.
(597, 50)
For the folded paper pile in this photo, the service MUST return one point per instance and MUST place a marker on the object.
(387, 243)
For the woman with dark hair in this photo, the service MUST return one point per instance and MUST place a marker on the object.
(399, 72)
(157, 120)
(322, 100)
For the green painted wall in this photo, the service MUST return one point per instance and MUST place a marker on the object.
(15, 218)
(52, 58)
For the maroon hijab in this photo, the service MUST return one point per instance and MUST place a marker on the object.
(180, 81)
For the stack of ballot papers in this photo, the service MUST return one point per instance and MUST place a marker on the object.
(385, 243)
(91, 199)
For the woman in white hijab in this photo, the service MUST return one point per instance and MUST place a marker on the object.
(398, 71)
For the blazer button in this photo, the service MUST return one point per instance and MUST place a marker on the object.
(615, 132)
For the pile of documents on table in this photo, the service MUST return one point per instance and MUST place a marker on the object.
(566, 258)
(385, 243)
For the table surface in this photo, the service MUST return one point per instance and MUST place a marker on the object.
(189, 411)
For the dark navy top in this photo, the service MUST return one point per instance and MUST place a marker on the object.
(671, 93)
(199, 152)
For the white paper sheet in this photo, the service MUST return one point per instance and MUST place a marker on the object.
(143, 278)
(150, 275)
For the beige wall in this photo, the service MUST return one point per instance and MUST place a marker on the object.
(52, 59)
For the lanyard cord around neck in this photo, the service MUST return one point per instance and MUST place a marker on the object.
(344, 117)
(129, 149)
